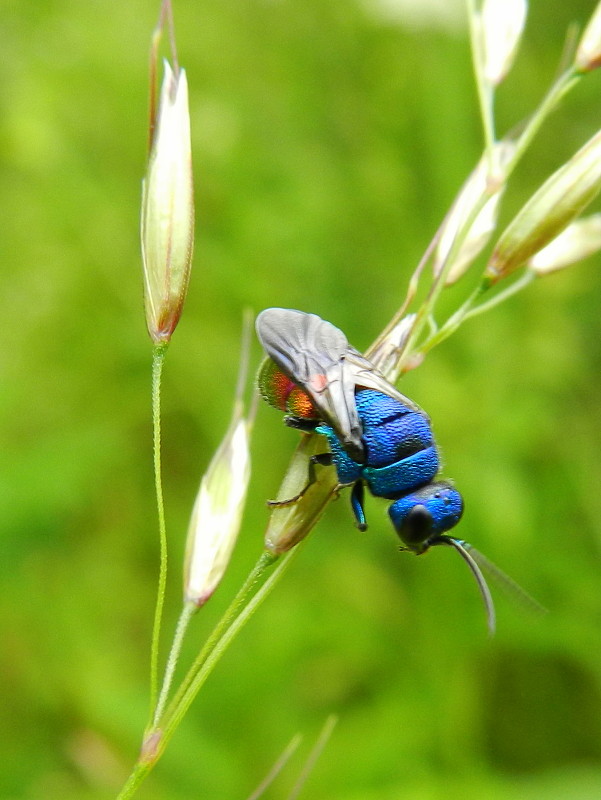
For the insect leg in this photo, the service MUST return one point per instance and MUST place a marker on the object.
(301, 424)
(357, 497)
(324, 460)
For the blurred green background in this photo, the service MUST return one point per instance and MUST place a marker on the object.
(329, 138)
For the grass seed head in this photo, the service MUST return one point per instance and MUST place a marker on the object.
(578, 241)
(549, 211)
(167, 224)
(588, 53)
(484, 187)
(217, 514)
(501, 26)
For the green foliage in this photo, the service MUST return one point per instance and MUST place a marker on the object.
(328, 141)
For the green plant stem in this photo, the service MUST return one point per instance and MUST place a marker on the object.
(525, 280)
(188, 611)
(158, 358)
(255, 589)
(315, 753)
(566, 81)
(138, 774)
(469, 309)
(277, 768)
(424, 314)
(252, 593)
(454, 321)
(372, 350)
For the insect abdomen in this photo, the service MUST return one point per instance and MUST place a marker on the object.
(391, 430)
(401, 454)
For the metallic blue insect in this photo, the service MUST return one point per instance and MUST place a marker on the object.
(378, 437)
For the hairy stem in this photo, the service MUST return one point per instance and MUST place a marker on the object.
(158, 358)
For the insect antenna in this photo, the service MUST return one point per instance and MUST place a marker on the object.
(465, 554)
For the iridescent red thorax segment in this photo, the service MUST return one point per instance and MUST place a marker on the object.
(282, 393)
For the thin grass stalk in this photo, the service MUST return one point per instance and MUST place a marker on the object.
(139, 772)
(411, 292)
(245, 592)
(158, 358)
(564, 84)
(254, 590)
(188, 611)
(424, 313)
(316, 751)
(275, 770)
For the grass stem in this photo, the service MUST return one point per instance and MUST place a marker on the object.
(158, 358)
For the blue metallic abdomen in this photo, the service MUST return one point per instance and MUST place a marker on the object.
(400, 450)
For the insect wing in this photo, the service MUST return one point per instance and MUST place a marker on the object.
(364, 374)
(312, 353)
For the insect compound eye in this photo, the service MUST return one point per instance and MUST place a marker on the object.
(413, 525)
(426, 513)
